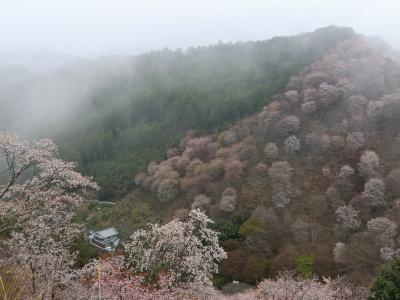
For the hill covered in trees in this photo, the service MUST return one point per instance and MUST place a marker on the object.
(290, 145)
(145, 104)
(313, 179)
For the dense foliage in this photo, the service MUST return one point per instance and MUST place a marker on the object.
(138, 117)
(319, 183)
(387, 285)
(39, 194)
(310, 182)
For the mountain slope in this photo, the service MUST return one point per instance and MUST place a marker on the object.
(135, 118)
(315, 175)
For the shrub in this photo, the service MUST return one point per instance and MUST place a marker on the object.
(305, 265)
(387, 286)
(228, 228)
(250, 227)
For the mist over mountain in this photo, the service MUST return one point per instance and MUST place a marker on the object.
(290, 145)
(36, 60)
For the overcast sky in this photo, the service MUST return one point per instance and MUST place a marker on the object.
(103, 27)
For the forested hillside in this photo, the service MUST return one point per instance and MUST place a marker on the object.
(137, 116)
(312, 180)
(254, 157)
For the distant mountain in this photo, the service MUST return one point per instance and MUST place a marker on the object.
(37, 60)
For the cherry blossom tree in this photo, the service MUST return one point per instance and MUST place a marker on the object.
(200, 201)
(234, 170)
(310, 95)
(374, 192)
(343, 181)
(189, 251)
(314, 78)
(168, 190)
(271, 151)
(292, 96)
(227, 138)
(337, 142)
(288, 124)
(292, 145)
(309, 107)
(112, 278)
(385, 228)
(339, 253)
(370, 165)
(140, 178)
(356, 103)
(280, 174)
(228, 199)
(388, 253)
(347, 216)
(354, 141)
(334, 196)
(39, 195)
(287, 286)
(262, 169)
(329, 94)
